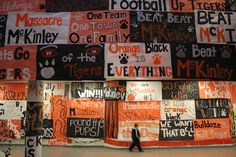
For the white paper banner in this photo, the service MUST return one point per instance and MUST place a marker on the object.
(137, 61)
(178, 110)
(37, 28)
(149, 130)
(11, 110)
(143, 91)
(215, 27)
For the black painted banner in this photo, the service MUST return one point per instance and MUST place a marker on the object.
(231, 5)
(162, 27)
(180, 90)
(87, 90)
(203, 61)
(115, 90)
(85, 127)
(48, 128)
(176, 130)
(76, 5)
(211, 108)
(70, 62)
(3, 22)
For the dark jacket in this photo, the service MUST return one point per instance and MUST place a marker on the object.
(135, 136)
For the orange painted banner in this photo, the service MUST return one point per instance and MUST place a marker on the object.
(85, 109)
(22, 5)
(99, 27)
(138, 110)
(214, 89)
(149, 130)
(206, 129)
(233, 92)
(13, 91)
(58, 115)
(190, 5)
(18, 63)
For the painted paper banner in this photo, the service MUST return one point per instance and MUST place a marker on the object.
(3, 22)
(48, 129)
(85, 127)
(87, 90)
(143, 91)
(180, 90)
(22, 5)
(115, 90)
(212, 108)
(59, 115)
(177, 110)
(10, 110)
(70, 62)
(138, 110)
(75, 5)
(13, 91)
(11, 129)
(37, 28)
(149, 130)
(176, 130)
(139, 5)
(203, 61)
(214, 89)
(51, 89)
(231, 5)
(191, 5)
(99, 27)
(211, 129)
(233, 93)
(215, 27)
(85, 108)
(162, 27)
(133, 60)
(18, 63)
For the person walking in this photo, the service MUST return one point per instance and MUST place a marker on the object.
(135, 138)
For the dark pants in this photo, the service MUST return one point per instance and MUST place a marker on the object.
(135, 143)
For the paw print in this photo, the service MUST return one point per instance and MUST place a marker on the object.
(47, 71)
(181, 51)
(155, 39)
(156, 59)
(226, 52)
(223, 112)
(191, 29)
(130, 95)
(123, 24)
(123, 58)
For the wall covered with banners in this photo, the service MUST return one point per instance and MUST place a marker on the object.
(169, 113)
(107, 64)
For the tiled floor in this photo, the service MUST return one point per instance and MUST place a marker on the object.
(226, 151)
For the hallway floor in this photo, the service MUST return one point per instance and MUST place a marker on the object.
(49, 151)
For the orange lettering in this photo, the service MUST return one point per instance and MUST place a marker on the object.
(204, 32)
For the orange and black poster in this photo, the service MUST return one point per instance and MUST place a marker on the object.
(203, 61)
(99, 27)
(85, 118)
(18, 63)
(191, 5)
(206, 129)
(214, 89)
